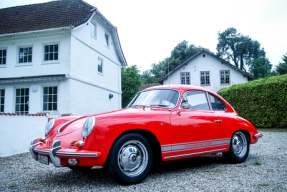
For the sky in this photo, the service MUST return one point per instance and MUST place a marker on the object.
(150, 29)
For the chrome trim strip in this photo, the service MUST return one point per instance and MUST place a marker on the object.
(193, 154)
(63, 126)
(77, 154)
(41, 151)
(52, 153)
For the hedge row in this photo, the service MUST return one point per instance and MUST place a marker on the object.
(263, 102)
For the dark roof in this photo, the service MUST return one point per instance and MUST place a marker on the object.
(198, 53)
(54, 14)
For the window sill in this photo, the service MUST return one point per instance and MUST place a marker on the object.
(101, 74)
(3, 66)
(50, 62)
(24, 64)
(205, 85)
(224, 83)
(107, 47)
(94, 37)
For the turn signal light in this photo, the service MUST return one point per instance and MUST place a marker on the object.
(79, 144)
(43, 139)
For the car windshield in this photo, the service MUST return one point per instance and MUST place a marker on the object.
(156, 98)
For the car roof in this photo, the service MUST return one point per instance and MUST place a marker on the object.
(178, 87)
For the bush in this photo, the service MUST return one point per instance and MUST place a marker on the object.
(263, 102)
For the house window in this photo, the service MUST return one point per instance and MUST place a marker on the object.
(51, 52)
(50, 99)
(185, 78)
(204, 78)
(22, 100)
(3, 53)
(93, 30)
(107, 40)
(224, 77)
(100, 65)
(2, 97)
(25, 54)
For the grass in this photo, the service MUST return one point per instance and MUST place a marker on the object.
(257, 163)
(12, 186)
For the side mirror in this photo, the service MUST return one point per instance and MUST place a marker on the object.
(185, 105)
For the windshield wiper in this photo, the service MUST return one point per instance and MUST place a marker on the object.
(161, 105)
(139, 106)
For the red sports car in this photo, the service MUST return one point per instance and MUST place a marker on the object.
(161, 123)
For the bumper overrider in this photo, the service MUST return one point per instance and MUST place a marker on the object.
(56, 152)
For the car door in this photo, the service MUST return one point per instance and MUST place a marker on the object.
(195, 129)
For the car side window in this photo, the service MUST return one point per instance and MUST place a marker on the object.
(197, 100)
(216, 103)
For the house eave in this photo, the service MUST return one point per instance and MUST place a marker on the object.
(26, 79)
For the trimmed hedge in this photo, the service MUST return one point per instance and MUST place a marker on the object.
(263, 102)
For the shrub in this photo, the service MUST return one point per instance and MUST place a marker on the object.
(263, 102)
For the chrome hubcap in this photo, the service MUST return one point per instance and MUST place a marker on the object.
(239, 144)
(133, 158)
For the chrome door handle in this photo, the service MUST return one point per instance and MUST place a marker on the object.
(217, 121)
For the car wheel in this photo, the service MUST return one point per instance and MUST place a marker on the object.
(239, 148)
(81, 168)
(130, 159)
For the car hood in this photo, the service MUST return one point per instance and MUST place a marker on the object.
(78, 122)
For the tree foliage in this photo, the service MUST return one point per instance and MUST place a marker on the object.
(243, 50)
(179, 54)
(130, 83)
(282, 67)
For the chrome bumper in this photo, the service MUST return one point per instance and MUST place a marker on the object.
(52, 153)
(258, 135)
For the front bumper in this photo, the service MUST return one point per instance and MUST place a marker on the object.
(258, 135)
(56, 152)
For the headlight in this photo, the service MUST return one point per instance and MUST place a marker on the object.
(49, 126)
(88, 126)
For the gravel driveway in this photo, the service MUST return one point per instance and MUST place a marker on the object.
(264, 170)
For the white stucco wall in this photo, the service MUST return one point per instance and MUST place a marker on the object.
(16, 133)
(38, 66)
(207, 63)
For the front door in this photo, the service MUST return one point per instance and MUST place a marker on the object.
(195, 130)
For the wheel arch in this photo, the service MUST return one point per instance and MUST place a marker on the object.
(152, 139)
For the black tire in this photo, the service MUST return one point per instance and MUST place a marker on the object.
(80, 168)
(130, 159)
(239, 148)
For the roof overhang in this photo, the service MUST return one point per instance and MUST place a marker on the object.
(30, 79)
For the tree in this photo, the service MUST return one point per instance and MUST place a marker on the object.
(282, 67)
(130, 83)
(237, 47)
(179, 54)
(260, 67)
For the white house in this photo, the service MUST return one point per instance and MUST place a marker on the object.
(59, 57)
(206, 70)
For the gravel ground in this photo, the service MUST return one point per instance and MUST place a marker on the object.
(264, 170)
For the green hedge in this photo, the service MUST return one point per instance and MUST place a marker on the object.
(263, 102)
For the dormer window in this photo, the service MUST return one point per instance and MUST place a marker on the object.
(107, 40)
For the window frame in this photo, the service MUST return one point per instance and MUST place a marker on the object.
(18, 64)
(43, 94)
(204, 78)
(206, 97)
(43, 54)
(185, 78)
(224, 77)
(4, 48)
(15, 96)
(94, 24)
(2, 89)
(109, 41)
(101, 73)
